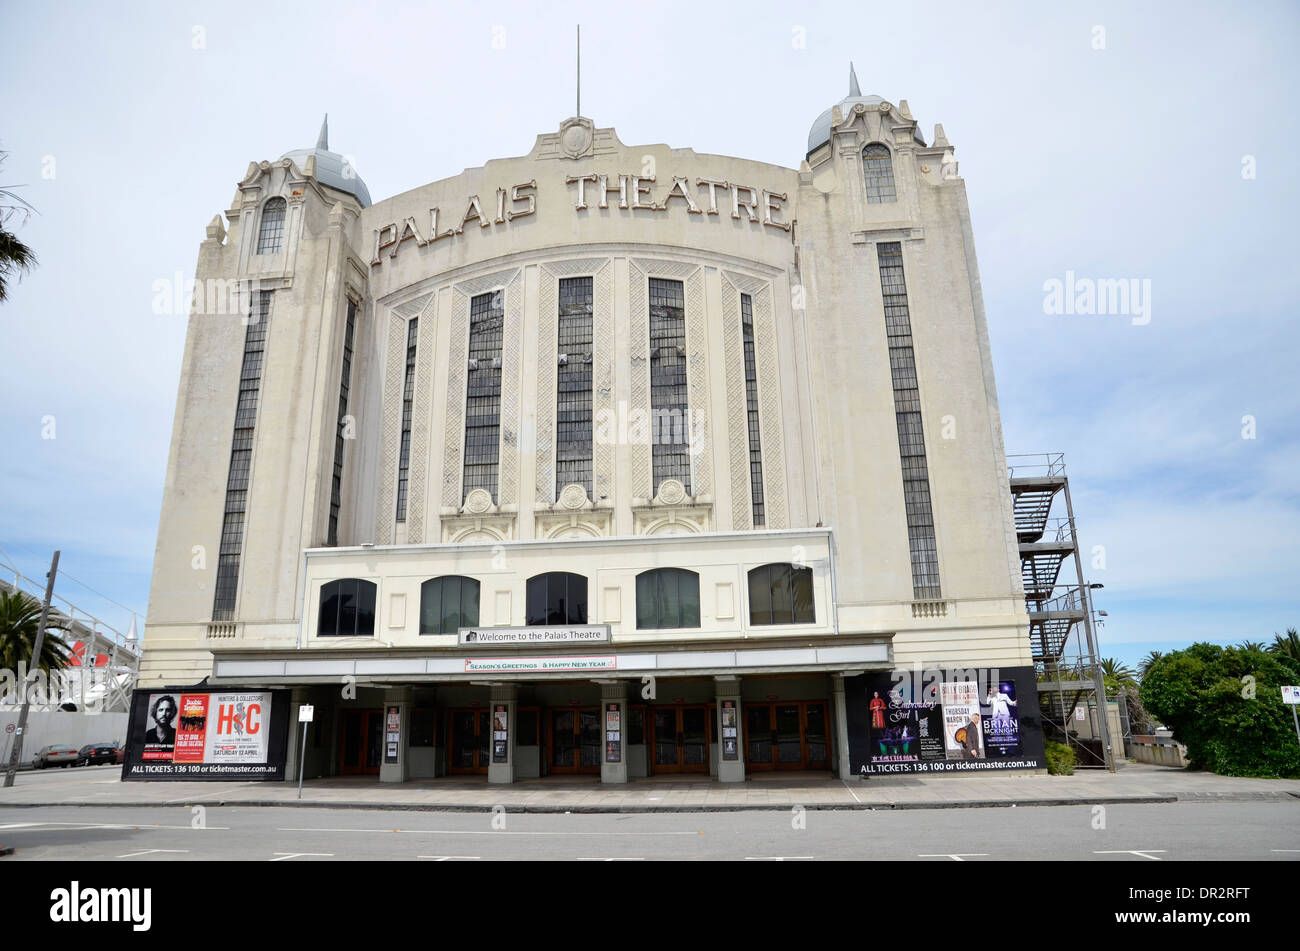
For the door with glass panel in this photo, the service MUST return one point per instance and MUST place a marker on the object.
(574, 740)
(680, 739)
(360, 741)
(469, 741)
(789, 735)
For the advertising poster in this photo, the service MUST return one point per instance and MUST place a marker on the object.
(936, 720)
(613, 734)
(207, 734)
(392, 734)
(500, 733)
(963, 737)
(191, 735)
(160, 738)
(237, 728)
(1001, 720)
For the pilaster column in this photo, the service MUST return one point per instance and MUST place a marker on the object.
(396, 735)
(501, 713)
(841, 726)
(613, 731)
(727, 722)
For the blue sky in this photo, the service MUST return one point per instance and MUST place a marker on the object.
(129, 125)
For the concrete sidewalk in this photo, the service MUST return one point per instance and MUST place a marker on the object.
(1134, 783)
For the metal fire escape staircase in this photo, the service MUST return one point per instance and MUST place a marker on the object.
(1048, 545)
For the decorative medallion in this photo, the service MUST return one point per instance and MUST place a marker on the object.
(576, 137)
(478, 501)
(671, 491)
(573, 496)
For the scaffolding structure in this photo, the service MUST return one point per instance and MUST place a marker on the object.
(116, 678)
(1062, 627)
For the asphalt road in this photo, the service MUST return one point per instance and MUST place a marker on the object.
(1122, 833)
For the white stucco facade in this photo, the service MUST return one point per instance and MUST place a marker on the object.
(801, 245)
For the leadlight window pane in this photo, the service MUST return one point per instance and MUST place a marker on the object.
(241, 459)
(336, 490)
(751, 402)
(347, 608)
(781, 594)
(907, 411)
(408, 396)
(670, 414)
(878, 165)
(557, 597)
(573, 425)
(270, 237)
(483, 392)
(667, 598)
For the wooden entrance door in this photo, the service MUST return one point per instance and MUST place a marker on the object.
(573, 739)
(468, 741)
(360, 741)
(679, 739)
(789, 735)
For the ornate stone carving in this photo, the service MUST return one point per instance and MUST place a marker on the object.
(393, 379)
(576, 137)
(573, 496)
(671, 492)
(477, 502)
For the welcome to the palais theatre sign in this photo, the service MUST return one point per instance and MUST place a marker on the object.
(533, 636)
(634, 193)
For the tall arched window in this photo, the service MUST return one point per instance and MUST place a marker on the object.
(271, 235)
(878, 165)
(557, 597)
(667, 597)
(448, 604)
(781, 594)
(347, 608)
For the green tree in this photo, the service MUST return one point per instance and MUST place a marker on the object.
(15, 257)
(20, 615)
(1252, 646)
(1147, 662)
(1288, 646)
(1225, 705)
(1117, 675)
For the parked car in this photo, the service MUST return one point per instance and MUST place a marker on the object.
(55, 756)
(94, 753)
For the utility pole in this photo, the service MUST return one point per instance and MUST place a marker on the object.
(15, 757)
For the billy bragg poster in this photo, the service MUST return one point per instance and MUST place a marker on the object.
(943, 720)
(207, 734)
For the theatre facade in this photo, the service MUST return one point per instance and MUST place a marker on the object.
(605, 459)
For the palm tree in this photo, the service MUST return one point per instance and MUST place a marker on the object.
(1252, 646)
(20, 614)
(1117, 675)
(1288, 645)
(15, 257)
(1147, 662)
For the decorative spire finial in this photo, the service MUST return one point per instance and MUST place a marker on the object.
(323, 140)
(853, 81)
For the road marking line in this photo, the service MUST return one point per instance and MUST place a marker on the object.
(294, 855)
(1271, 850)
(955, 856)
(484, 832)
(24, 825)
(636, 858)
(774, 858)
(132, 826)
(1141, 852)
(450, 858)
(130, 855)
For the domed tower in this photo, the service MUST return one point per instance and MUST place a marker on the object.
(887, 253)
(263, 443)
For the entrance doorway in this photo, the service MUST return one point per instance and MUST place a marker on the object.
(679, 737)
(467, 744)
(790, 735)
(573, 739)
(360, 741)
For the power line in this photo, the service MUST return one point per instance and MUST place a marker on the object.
(63, 574)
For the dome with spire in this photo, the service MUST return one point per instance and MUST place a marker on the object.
(820, 133)
(332, 169)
